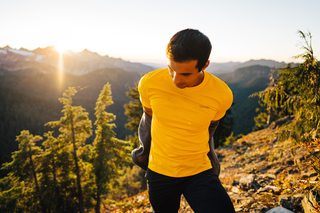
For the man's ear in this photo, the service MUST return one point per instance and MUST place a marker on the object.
(206, 65)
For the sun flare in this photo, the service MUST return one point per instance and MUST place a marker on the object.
(60, 48)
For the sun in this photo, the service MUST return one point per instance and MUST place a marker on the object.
(60, 48)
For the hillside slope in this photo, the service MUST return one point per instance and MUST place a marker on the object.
(258, 172)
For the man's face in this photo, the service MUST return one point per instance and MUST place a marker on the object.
(185, 74)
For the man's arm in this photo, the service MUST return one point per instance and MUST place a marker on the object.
(212, 154)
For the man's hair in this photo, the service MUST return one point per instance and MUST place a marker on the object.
(189, 44)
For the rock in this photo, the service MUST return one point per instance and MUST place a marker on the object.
(281, 121)
(289, 202)
(235, 183)
(247, 202)
(309, 201)
(258, 207)
(290, 162)
(265, 179)
(299, 157)
(244, 143)
(248, 182)
(285, 201)
(314, 179)
(308, 174)
(276, 170)
(235, 189)
(297, 205)
(293, 171)
(269, 188)
(279, 209)
(237, 208)
(263, 167)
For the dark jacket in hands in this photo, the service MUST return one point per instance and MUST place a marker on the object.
(140, 156)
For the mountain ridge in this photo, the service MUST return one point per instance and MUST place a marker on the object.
(75, 63)
(223, 68)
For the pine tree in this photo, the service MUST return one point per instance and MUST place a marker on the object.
(298, 92)
(55, 183)
(75, 128)
(109, 153)
(270, 109)
(134, 111)
(24, 177)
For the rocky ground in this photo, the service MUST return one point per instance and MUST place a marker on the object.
(258, 172)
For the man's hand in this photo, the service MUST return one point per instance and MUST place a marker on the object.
(148, 110)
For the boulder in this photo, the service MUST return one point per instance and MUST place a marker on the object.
(285, 201)
(248, 182)
(279, 209)
(288, 202)
(309, 201)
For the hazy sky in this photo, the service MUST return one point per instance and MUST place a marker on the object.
(138, 30)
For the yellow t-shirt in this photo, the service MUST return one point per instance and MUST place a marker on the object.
(180, 121)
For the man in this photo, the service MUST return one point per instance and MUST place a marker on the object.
(181, 103)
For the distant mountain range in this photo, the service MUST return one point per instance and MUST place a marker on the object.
(228, 67)
(218, 68)
(46, 60)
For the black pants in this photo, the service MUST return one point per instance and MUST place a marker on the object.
(203, 192)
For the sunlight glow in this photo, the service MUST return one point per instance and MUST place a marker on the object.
(60, 68)
(60, 48)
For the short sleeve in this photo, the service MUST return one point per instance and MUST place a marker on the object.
(143, 91)
(225, 105)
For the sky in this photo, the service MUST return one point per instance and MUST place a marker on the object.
(139, 30)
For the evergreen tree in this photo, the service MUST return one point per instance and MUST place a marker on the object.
(298, 92)
(56, 180)
(134, 111)
(270, 109)
(24, 191)
(47, 173)
(109, 153)
(75, 128)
